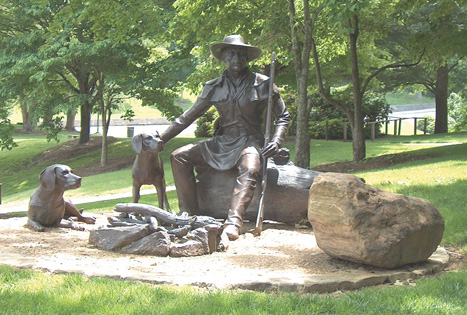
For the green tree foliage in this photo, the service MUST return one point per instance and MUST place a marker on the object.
(437, 27)
(6, 128)
(20, 39)
(85, 51)
(200, 23)
(262, 23)
(324, 116)
(457, 113)
(355, 28)
(352, 43)
(428, 127)
(206, 125)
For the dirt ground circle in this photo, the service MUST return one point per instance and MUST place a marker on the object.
(283, 257)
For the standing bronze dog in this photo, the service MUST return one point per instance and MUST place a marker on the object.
(47, 206)
(147, 167)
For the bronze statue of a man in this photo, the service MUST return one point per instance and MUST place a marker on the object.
(240, 96)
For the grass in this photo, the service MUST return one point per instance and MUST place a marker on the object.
(109, 205)
(35, 292)
(324, 152)
(441, 179)
(404, 98)
(16, 188)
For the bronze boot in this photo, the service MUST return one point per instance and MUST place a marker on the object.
(243, 194)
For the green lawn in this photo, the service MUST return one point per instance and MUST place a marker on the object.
(404, 98)
(441, 179)
(35, 292)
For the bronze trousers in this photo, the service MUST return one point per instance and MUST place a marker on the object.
(185, 159)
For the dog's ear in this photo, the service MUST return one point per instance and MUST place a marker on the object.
(47, 178)
(137, 143)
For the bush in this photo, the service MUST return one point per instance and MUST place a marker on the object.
(206, 123)
(375, 108)
(334, 127)
(457, 113)
(430, 124)
(53, 127)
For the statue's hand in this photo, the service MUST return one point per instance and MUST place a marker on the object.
(270, 149)
(161, 143)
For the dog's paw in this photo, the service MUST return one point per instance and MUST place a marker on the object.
(89, 220)
(39, 229)
(35, 226)
(77, 227)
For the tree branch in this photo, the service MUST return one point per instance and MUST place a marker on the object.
(454, 65)
(390, 66)
(319, 76)
(293, 30)
(65, 79)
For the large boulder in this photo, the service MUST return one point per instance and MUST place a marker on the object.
(364, 224)
(286, 197)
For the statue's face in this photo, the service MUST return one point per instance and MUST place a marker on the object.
(235, 58)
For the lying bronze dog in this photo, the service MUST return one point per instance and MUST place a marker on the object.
(47, 206)
(147, 167)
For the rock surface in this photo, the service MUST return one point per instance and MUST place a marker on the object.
(286, 197)
(157, 244)
(140, 239)
(201, 236)
(116, 237)
(363, 224)
(187, 249)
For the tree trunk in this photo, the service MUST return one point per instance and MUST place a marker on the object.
(70, 120)
(27, 117)
(301, 46)
(358, 139)
(85, 131)
(47, 119)
(441, 99)
(302, 140)
(105, 129)
(86, 88)
(358, 135)
(104, 148)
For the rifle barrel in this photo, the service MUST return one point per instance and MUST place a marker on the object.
(259, 219)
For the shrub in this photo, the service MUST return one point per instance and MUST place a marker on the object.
(375, 108)
(457, 113)
(206, 123)
(430, 124)
(334, 127)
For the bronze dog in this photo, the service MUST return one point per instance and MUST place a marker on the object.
(147, 167)
(47, 206)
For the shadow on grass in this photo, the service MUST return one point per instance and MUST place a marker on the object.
(450, 200)
(26, 291)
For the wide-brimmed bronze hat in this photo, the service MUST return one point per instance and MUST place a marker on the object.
(235, 40)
